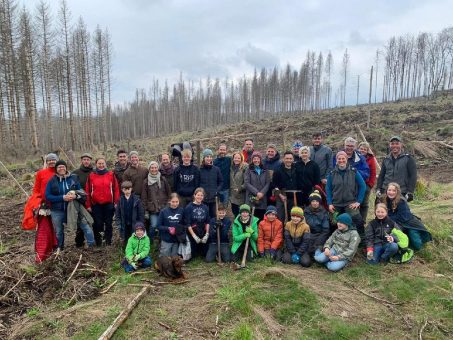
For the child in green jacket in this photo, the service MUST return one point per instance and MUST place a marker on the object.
(242, 229)
(137, 250)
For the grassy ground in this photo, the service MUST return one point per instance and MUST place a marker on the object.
(268, 300)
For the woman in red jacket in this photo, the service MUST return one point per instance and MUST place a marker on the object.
(365, 150)
(102, 196)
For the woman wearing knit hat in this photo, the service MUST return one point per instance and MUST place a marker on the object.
(211, 180)
(296, 236)
(257, 181)
(243, 228)
(270, 235)
(154, 196)
(318, 219)
(341, 246)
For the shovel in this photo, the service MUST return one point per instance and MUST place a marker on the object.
(246, 248)
(219, 257)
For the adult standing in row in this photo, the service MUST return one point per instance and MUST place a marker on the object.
(237, 184)
(154, 196)
(365, 151)
(257, 181)
(398, 167)
(296, 147)
(285, 178)
(59, 192)
(321, 154)
(248, 150)
(121, 165)
(223, 162)
(186, 178)
(345, 190)
(167, 169)
(102, 196)
(135, 173)
(308, 175)
(210, 180)
(44, 175)
(82, 173)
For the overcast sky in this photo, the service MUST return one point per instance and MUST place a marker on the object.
(161, 38)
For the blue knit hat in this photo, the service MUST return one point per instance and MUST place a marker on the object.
(345, 219)
(139, 225)
(271, 210)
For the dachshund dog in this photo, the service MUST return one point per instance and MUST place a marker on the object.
(170, 267)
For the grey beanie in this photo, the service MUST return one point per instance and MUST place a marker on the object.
(153, 162)
(51, 157)
(207, 152)
(133, 153)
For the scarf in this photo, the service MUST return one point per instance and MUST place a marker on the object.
(154, 179)
(167, 170)
(101, 172)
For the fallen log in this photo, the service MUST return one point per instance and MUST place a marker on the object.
(124, 314)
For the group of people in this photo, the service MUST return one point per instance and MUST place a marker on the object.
(307, 205)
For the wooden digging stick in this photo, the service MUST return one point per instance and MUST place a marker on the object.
(219, 257)
(15, 180)
(285, 205)
(246, 248)
(124, 314)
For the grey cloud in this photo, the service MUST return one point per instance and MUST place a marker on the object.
(258, 57)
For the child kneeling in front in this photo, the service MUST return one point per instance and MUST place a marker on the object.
(341, 246)
(270, 235)
(296, 236)
(137, 250)
(244, 227)
(385, 239)
(222, 224)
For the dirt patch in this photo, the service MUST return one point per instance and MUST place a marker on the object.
(274, 327)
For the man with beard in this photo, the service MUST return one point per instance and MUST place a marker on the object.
(135, 173)
(82, 173)
(167, 169)
(398, 167)
(322, 155)
(285, 178)
(247, 150)
(121, 165)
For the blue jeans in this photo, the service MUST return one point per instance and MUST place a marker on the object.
(383, 253)
(58, 218)
(153, 218)
(333, 266)
(224, 197)
(145, 263)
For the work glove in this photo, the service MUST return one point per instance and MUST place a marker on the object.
(136, 257)
(218, 224)
(378, 193)
(273, 252)
(196, 238)
(409, 197)
(134, 265)
(205, 238)
(146, 215)
(370, 255)
(249, 230)
(172, 230)
(295, 258)
(247, 235)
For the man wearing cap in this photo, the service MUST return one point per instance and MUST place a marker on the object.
(322, 155)
(43, 176)
(211, 180)
(223, 162)
(59, 192)
(135, 173)
(398, 167)
(82, 174)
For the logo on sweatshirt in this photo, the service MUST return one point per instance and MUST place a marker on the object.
(175, 217)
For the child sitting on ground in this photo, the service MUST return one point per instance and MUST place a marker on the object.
(222, 224)
(384, 239)
(242, 229)
(341, 246)
(137, 250)
(296, 239)
(270, 235)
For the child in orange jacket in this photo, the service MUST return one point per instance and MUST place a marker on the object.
(270, 235)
